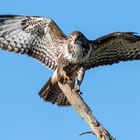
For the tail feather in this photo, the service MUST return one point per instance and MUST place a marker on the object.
(52, 93)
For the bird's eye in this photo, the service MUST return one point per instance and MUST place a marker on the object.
(79, 37)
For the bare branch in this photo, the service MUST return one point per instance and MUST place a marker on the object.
(84, 111)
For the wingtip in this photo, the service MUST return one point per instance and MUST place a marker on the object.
(7, 16)
(133, 33)
(128, 34)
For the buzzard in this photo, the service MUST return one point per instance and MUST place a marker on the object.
(67, 56)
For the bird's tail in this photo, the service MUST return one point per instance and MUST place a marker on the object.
(52, 93)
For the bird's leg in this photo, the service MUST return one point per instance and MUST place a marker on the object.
(79, 79)
(61, 73)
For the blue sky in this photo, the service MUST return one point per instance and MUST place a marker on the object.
(112, 92)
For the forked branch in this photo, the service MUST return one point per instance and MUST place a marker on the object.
(84, 111)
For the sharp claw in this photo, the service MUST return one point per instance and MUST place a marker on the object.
(77, 90)
(65, 79)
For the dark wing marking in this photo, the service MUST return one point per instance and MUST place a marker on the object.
(113, 48)
(38, 37)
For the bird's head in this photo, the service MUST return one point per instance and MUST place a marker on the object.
(77, 37)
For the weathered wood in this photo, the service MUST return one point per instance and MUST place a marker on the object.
(85, 112)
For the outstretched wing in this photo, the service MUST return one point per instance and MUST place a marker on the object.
(38, 37)
(113, 48)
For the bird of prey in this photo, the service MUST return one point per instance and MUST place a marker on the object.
(68, 56)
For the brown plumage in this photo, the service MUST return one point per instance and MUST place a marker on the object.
(113, 48)
(67, 56)
(53, 93)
